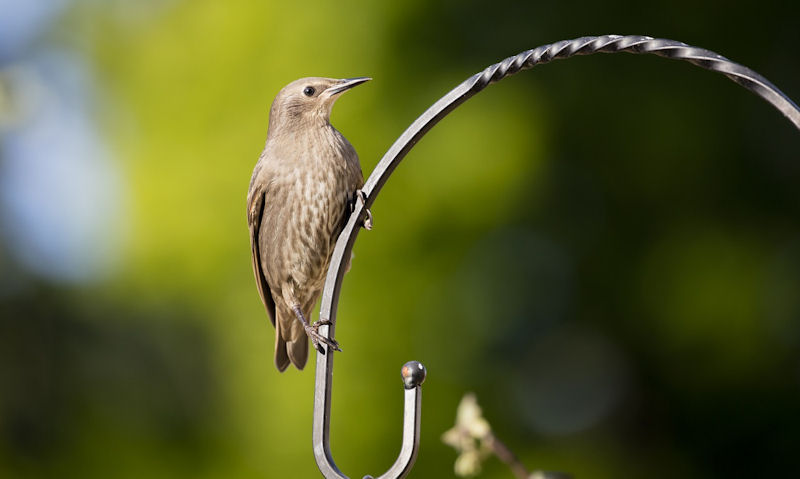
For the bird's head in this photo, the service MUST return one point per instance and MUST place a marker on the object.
(308, 101)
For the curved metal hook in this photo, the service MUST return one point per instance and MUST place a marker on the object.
(413, 373)
(474, 84)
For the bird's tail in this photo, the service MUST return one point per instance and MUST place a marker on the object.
(298, 351)
(291, 344)
(281, 355)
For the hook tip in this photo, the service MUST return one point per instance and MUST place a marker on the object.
(413, 373)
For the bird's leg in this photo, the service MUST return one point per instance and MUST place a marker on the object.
(312, 330)
(362, 197)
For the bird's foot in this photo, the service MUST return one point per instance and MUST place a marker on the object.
(362, 197)
(318, 339)
(312, 331)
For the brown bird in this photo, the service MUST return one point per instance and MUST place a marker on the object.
(300, 195)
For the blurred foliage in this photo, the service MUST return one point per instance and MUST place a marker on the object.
(606, 249)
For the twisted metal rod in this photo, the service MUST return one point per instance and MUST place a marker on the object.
(641, 44)
(474, 84)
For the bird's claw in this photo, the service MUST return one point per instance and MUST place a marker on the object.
(362, 197)
(317, 339)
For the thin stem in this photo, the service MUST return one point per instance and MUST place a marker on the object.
(506, 455)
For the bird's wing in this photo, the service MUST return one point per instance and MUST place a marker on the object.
(255, 211)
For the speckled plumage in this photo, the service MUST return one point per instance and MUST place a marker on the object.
(297, 203)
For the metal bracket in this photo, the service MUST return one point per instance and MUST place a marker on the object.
(413, 372)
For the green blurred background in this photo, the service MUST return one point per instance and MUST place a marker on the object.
(606, 249)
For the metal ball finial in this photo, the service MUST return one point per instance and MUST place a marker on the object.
(413, 373)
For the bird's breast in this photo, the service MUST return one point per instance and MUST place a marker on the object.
(315, 179)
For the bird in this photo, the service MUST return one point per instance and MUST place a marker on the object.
(304, 186)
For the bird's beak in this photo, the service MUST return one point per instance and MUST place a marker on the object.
(346, 84)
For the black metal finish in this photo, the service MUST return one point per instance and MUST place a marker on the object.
(474, 84)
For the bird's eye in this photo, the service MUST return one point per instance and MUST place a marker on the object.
(309, 91)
